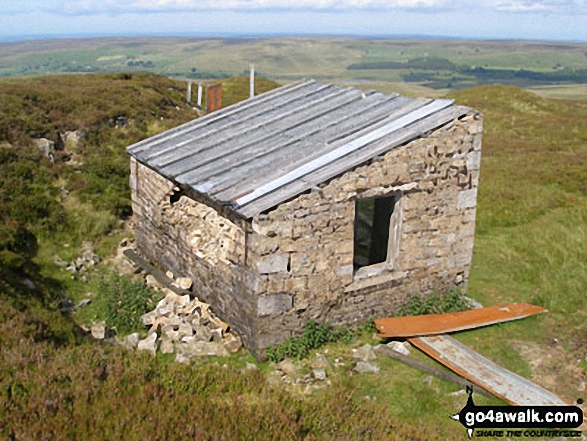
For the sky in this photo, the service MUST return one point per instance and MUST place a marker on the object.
(564, 20)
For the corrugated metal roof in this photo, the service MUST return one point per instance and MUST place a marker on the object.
(260, 152)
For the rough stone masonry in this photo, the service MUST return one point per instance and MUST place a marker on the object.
(269, 275)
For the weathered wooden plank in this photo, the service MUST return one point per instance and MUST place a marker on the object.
(247, 150)
(241, 121)
(230, 185)
(303, 147)
(354, 159)
(155, 272)
(343, 150)
(447, 376)
(255, 105)
(273, 167)
(483, 372)
(257, 131)
(232, 128)
(234, 121)
(188, 98)
(238, 107)
(293, 141)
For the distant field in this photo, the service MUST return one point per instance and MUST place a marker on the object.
(389, 87)
(567, 92)
(428, 67)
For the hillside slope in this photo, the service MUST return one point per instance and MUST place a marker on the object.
(530, 245)
(83, 124)
(531, 237)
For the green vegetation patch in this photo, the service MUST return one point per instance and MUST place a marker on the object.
(315, 336)
(531, 230)
(121, 302)
(28, 204)
(439, 72)
(424, 63)
(80, 188)
(80, 192)
(435, 303)
(92, 391)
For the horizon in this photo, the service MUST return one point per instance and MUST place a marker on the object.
(205, 36)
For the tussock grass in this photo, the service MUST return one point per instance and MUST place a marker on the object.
(88, 391)
(530, 246)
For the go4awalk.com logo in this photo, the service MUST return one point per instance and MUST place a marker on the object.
(512, 421)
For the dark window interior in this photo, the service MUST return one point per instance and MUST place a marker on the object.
(175, 196)
(372, 217)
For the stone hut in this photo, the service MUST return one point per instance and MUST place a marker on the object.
(311, 202)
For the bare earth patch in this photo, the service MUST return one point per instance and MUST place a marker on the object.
(556, 370)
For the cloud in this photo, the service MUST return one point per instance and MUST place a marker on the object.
(83, 7)
(545, 6)
(18, 6)
(522, 6)
(116, 7)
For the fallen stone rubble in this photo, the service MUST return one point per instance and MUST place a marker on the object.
(179, 324)
(79, 266)
(186, 326)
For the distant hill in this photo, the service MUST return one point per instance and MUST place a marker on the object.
(435, 63)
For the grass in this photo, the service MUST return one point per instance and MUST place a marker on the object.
(532, 199)
(54, 383)
(121, 301)
(531, 230)
(99, 392)
(536, 55)
(314, 337)
(58, 202)
(288, 59)
(567, 92)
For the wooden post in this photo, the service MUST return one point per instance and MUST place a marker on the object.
(199, 94)
(214, 98)
(188, 98)
(252, 81)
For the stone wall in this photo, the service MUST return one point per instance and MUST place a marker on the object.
(192, 240)
(269, 276)
(300, 258)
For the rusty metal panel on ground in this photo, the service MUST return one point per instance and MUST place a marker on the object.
(214, 98)
(486, 374)
(432, 324)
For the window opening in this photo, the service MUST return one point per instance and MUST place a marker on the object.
(372, 224)
(175, 196)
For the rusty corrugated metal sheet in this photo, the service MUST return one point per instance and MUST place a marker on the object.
(456, 321)
(214, 98)
(483, 372)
